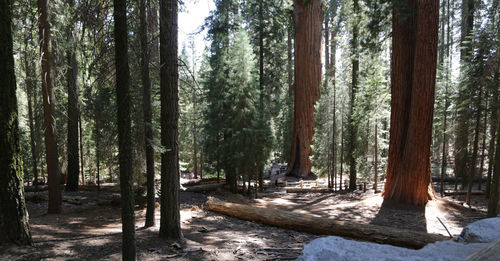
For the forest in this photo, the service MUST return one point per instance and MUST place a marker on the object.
(249, 129)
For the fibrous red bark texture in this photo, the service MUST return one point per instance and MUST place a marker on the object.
(308, 24)
(415, 36)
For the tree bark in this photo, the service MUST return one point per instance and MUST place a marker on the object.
(354, 86)
(13, 215)
(494, 203)
(308, 19)
(324, 226)
(72, 73)
(51, 154)
(169, 74)
(80, 132)
(413, 79)
(124, 136)
(148, 116)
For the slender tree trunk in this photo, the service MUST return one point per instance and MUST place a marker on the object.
(375, 183)
(82, 163)
(493, 128)
(494, 203)
(51, 155)
(148, 116)
(13, 215)
(354, 86)
(414, 58)
(473, 166)
(308, 20)
(483, 148)
(29, 93)
(170, 216)
(72, 73)
(463, 117)
(341, 149)
(124, 135)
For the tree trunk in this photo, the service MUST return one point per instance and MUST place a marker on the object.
(308, 20)
(324, 226)
(148, 116)
(170, 216)
(483, 149)
(493, 126)
(354, 86)
(51, 155)
(29, 69)
(124, 136)
(82, 163)
(494, 203)
(463, 117)
(13, 215)
(72, 73)
(445, 139)
(375, 182)
(473, 165)
(414, 54)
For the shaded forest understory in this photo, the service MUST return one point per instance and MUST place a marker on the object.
(90, 226)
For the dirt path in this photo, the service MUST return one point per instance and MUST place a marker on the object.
(89, 228)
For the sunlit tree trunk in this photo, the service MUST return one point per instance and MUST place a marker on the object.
(413, 79)
(124, 136)
(170, 226)
(51, 155)
(308, 22)
(13, 215)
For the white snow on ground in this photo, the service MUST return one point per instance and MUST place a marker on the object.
(482, 231)
(474, 237)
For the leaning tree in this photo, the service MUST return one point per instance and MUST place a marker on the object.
(308, 16)
(414, 61)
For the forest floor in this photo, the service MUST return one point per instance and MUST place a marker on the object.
(90, 228)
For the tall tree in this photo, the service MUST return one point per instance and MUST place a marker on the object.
(170, 226)
(148, 115)
(72, 72)
(414, 58)
(13, 215)
(463, 112)
(494, 202)
(124, 136)
(308, 16)
(352, 126)
(51, 155)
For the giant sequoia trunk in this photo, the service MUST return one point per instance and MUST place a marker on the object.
(73, 157)
(170, 226)
(124, 136)
(414, 54)
(13, 215)
(51, 155)
(308, 21)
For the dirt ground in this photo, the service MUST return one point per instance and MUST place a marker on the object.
(90, 228)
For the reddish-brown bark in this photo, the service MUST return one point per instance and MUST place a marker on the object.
(308, 23)
(415, 40)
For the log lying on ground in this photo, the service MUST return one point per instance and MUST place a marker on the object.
(309, 190)
(202, 182)
(204, 188)
(463, 192)
(491, 252)
(324, 226)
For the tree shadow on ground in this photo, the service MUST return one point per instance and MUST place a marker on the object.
(401, 216)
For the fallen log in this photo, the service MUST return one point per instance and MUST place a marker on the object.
(202, 182)
(491, 252)
(309, 190)
(463, 192)
(324, 226)
(204, 188)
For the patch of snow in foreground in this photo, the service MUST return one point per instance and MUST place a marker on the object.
(473, 237)
(337, 248)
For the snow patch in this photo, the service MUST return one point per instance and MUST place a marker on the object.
(482, 231)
